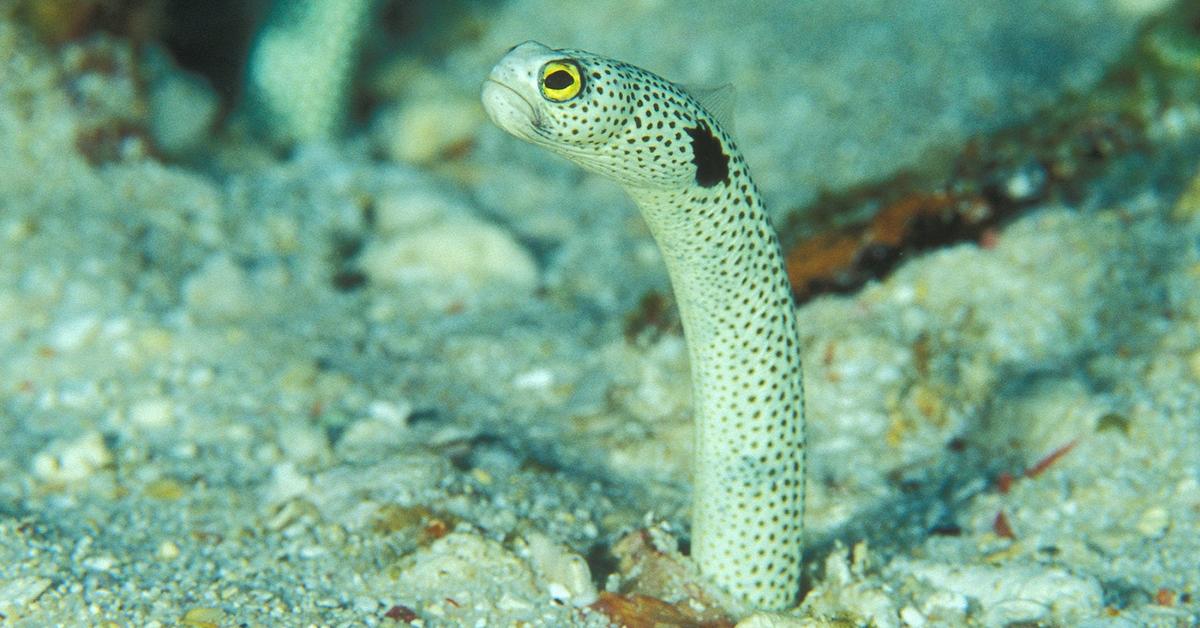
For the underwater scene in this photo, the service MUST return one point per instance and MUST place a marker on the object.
(756, 313)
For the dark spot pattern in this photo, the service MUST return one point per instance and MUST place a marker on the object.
(712, 164)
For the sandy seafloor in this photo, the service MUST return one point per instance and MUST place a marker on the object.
(238, 389)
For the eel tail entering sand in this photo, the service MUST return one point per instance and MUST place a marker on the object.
(694, 190)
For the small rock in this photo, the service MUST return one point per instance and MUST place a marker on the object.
(1016, 593)
(564, 574)
(168, 550)
(426, 129)
(912, 617)
(74, 333)
(152, 413)
(103, 562)
(772, 620)
(165, 489)
(461, 250)
(461, 578)
(203, 617)
(397, 212)
(183, 108)
(384, 429)
(309, 552)
(16, 595)
(536, 379)
(1154, 522)
(947, 606)
(220, 290)
(509, 603)
(371, 435)
(286, 483)
(364, 604)
(302, 443)
(394, 413)
(63, 462)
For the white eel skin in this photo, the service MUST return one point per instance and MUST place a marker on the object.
(693, 188)
(299, 71)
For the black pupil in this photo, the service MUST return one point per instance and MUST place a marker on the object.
(559, 79)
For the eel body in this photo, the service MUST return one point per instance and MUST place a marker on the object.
(694, 190)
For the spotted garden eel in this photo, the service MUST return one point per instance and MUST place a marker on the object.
(694, 190)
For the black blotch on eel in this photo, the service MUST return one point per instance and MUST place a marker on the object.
(712, 164)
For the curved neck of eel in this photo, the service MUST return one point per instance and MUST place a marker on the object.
(739, 321)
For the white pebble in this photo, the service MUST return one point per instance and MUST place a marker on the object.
(309, 552)
(427, 129)
(71, 461)
(16, 595)
(103, 562)
(946, 604)
(367, 435)
(395, 414)
(558, 591)
(509, 602)
(364, 604)
(168, 550)
(74, 333)
(286, 483)
(302, 443)
(1154, 522)
(396, 212)
(912, 617)
(219, 290)
(152, 413)
(468, 251)
(1017, 593)
(564, 574)
(537, 379)
(201, 376)
(182, 111)
(771, 620)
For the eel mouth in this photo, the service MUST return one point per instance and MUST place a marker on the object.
(508, 108)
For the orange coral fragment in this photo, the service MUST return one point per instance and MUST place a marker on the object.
(1001, 527)
(820, 257)
(1043, 464)
(642, 611)
(845, 258)
(892, 226)
(1004, 483)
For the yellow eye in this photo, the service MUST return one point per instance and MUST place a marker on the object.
(561, 80)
